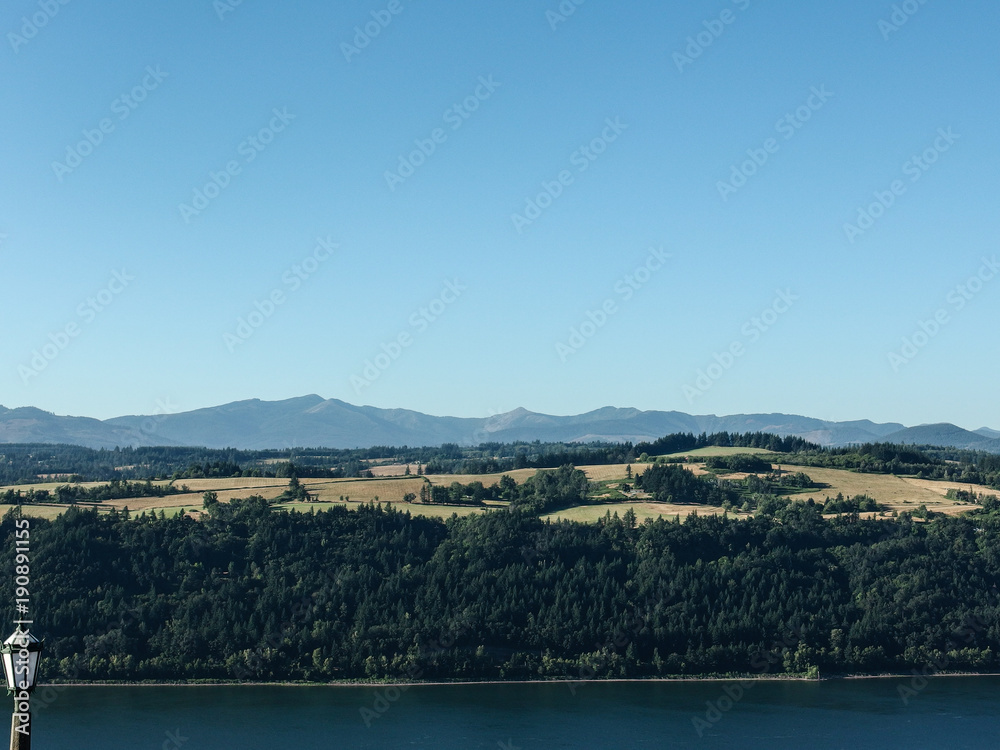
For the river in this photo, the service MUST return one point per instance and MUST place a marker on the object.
(947, 712)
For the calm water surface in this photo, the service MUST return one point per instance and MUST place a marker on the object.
(952, 713)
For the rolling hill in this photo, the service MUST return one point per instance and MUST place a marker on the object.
(312, 421)
(945, 434)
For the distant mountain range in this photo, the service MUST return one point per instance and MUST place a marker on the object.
(311, 421)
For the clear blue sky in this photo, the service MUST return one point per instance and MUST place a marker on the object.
(200, 79)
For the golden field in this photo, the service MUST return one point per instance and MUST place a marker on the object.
(898, 493)
(716, 450)
(642, 510)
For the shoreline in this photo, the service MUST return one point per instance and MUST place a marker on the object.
(467, 683)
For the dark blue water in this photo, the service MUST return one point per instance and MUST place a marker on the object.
(952, 713)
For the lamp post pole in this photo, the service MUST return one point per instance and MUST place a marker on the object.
(20, 727)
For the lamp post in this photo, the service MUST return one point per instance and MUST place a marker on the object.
(20, 653)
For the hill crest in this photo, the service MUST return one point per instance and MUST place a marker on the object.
(312, 421)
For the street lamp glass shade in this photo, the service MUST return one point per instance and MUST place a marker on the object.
(20, 653)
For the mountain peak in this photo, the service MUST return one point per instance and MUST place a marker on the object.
(314, 422)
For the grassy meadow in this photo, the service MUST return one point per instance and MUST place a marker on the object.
(391, 484)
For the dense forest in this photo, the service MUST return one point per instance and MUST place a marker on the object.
(252, 593)
(668, 483)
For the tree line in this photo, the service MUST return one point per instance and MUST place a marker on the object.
(27, 464)
(250, 593)
(116, 489)
(923, 462)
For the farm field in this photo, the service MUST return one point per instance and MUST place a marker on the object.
(242, 483)
(51, 510)
(642, 510)
(37, 511)
(391, 470)
(362, 490)
(897, 493)
(610, 471)
(518, 475)
(715, 450)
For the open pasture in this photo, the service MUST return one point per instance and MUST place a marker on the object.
(642, 510)
(897, 493)
(715, 450)
(518, 475)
